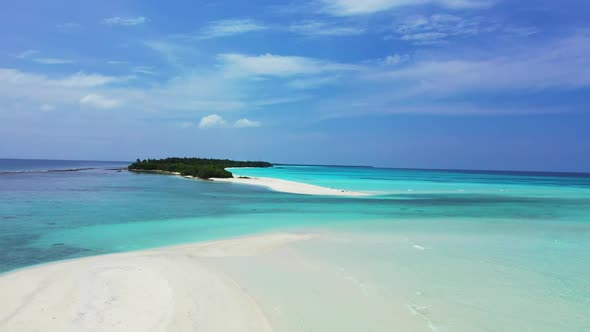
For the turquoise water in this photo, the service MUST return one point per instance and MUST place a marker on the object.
(487, 235)
(47, 216)
(461, 251)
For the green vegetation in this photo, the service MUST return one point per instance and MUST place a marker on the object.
(197, 167)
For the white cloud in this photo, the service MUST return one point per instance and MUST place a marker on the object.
(225, 28)
(99, 101)
(245, 123)
(393, 81)
(26, 54)
(212, 121)
(217, 121)
(432, 37)
(277, 65)
(363, 7)
(126, 21)
(318, 28)
(52, 61)
(395, 59)
(77, 80)
(389, 60)
(190, 92)
(146, 70)
(81, 79)
(32, 89)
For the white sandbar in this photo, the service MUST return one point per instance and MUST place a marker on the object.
(292, 186)
(169, 289)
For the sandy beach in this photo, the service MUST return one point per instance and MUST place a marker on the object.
(320, 280)
(292, 187)
(170, 289)
(271, 282)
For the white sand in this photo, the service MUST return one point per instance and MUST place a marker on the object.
(292, 186)
(170, 289)
(275, 282)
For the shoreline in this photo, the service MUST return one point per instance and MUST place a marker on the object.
(274, 184)
(173, 288)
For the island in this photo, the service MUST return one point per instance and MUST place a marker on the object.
(201, 168)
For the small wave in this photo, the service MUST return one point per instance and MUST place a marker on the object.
(360, 285)
(422, 313)
(414, 245)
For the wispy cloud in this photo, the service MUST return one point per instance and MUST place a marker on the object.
(319, 28)
(81, 79)
(446, 83)
(277, 65)
(225, 28)
(146, 70)
(439, 27)
(173, 52)
(242, 82)
(389, 60)
(125, 21)
(52, 61)
(194, 91)
(99, 101)
(356, 7)
(562, 64)
(37, 89)
(26, 54)
(77, 80)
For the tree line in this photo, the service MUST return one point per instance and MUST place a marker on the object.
(198, 167)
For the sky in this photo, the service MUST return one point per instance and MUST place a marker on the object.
(455, 84)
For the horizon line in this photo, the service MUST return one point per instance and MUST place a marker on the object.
(506, 171)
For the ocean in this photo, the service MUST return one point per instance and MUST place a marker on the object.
(465, 250)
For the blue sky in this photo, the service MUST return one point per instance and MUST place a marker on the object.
(479, 84)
